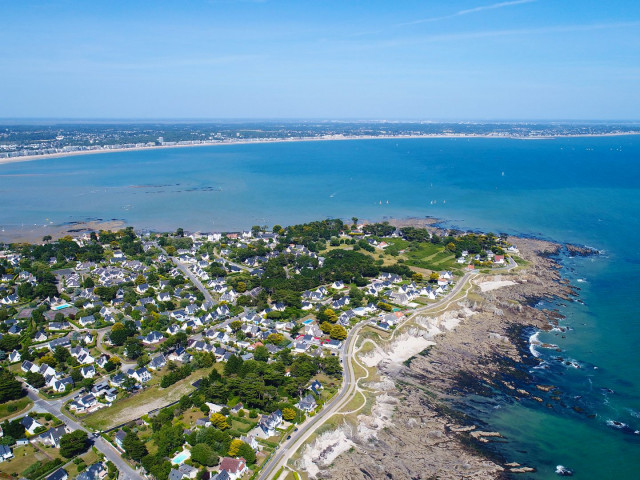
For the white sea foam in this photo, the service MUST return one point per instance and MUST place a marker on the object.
(563, 471)
(543, 365)
(533, 341)
(616, 424)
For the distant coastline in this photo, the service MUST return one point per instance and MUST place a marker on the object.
(28, 158)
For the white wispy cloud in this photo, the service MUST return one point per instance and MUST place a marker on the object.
(460, 13)
(503, 33)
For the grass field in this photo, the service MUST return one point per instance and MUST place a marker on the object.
(23, 457)
(430, 257)
(426, 256)
(14, 407)
(134, 407)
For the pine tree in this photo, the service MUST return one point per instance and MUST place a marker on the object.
(134, 447)
(74, 443)
(10, 388)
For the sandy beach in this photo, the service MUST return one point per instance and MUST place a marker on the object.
(28, 158)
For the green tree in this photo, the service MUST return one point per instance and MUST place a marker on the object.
(204, 455)
(9, 343)
(134, 446)
(434, 276)
(74, 443)
(35, 379)
(261, 354)
(10, 388)
(331, 366)
(133, 348)
(245, 451)
(26, 291)
(13, 428)
(61, 355)
(168, 438)
(118, 337)
(233, 365)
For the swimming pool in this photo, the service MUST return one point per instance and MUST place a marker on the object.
(181, 457)
(308, 321)
(60, 307)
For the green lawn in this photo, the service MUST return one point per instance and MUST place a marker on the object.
(23, 457)
(431, 257)
(89, 458)
(14, 407)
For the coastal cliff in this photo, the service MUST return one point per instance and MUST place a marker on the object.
(416, 427)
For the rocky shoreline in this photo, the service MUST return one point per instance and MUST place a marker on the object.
(35, 233)
(485, 352)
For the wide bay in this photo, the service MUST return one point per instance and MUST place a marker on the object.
(580, 190)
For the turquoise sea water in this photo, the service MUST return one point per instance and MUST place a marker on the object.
(580, 190)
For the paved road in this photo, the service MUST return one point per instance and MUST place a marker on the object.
(99, 345)
(196, 281)
(289, 447)
(54, 407)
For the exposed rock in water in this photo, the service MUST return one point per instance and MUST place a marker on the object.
(423, 435)
(580, 250)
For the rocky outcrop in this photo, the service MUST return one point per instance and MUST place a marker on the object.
(425, 437)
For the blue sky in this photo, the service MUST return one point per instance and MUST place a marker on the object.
(356, 59)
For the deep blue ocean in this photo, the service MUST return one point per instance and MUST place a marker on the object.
(579, 190)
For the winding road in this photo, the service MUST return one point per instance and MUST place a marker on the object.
(349, 385)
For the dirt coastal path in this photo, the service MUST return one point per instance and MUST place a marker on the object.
(350, 385)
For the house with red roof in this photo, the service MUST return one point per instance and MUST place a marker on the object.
(235, 467)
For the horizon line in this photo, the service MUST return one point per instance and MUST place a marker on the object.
(96, 120)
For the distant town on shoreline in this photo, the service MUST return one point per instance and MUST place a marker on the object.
(70, 137)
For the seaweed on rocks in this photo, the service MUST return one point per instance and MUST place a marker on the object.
(466, 382)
